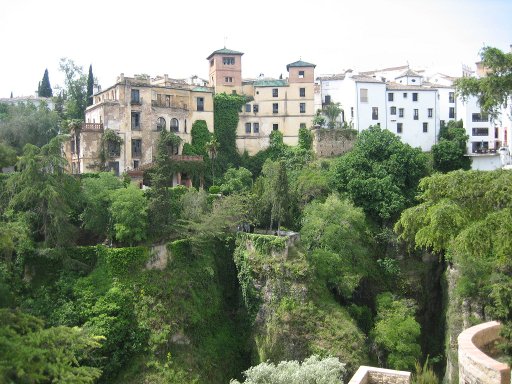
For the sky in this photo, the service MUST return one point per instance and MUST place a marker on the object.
(159, 37)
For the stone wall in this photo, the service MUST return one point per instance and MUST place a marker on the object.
(475, 367)
(372, 375)
(333, 142)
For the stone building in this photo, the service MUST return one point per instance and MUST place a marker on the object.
(275, 104)
(136, 109)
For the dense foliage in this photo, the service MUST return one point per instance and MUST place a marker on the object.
(450, 153)
(380, 174)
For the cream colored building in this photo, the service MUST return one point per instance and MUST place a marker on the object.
(276, 104)
(137, 109)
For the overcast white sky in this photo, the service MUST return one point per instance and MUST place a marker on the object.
(175, 37)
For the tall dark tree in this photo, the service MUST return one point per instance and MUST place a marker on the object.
(90, 86)
(45, 89)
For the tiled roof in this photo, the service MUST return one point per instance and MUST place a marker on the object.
(202, 89)
(404, 87)
(384, 70)
(271, 83)
(224, 51)
(409, 72)
(299, 63)
(339, 76)
(366, 79)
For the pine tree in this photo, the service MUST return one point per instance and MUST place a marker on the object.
(90, 86)
(45, 89)
(11, 94)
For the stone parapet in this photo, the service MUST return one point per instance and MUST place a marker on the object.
(372, 375)
(475, 367)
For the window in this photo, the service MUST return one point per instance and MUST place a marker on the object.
(136, 147)
(416, 114)
(275, 108)
(480, 117)
(135, 121)
(255, 108)
(414, 96)
(430, 112)
(302, 125)
(302, 92)
(113, 149)
(275, 92)
(247, 127)
(228, 79)
(247, 107)
(425, 127)
(363, 95)
(400, 112)
(160, 124)
(375, 113)
(256, 127)
(301, 74)
(480, 131)
(451, 97)
(352, 112)
(275, 127)
(200, 103)
(393, 111)
(391, 96)
(399, 127)
(302, 107)
(175, 125)
(135, 96)
(211, 63)
(113, 166)
(136, 164)
(327, 99)
(228, 60)
(405, 95)
(451, 114)
(167, 101)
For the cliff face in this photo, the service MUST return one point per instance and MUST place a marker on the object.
(293, 315)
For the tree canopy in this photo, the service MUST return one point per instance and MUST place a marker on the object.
(450, 153)
(495, 88)
(45, 89)
(380, 174)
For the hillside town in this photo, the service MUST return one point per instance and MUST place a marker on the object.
(411, 103)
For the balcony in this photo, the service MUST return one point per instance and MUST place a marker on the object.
(157, 104)
(92, 127)
(186, 158)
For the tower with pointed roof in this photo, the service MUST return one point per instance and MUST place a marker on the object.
(225, 70)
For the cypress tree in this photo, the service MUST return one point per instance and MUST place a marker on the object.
(45, 89)
(90, 86)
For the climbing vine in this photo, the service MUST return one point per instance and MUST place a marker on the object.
(226, 109)
(110, 146)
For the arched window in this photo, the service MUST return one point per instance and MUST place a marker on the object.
(175, 125)
(160, 124)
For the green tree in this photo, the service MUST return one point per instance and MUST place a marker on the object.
(467, 216)
(90, 86)
(212, 148)
(495, 88)
(305, 138)
(380, 174)
(335, 233)
(7, 156)
(396, 332)
(30, 353)
(75, 89)
(450, 153)
(97, 196)
(332, 111)
(236, 181)
(22, 124)
(277, 191)
(43, 194)
(129, 212)
(45, 89)
(313, 370)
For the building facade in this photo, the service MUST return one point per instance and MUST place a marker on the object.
(136, 109)
(285, 105)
